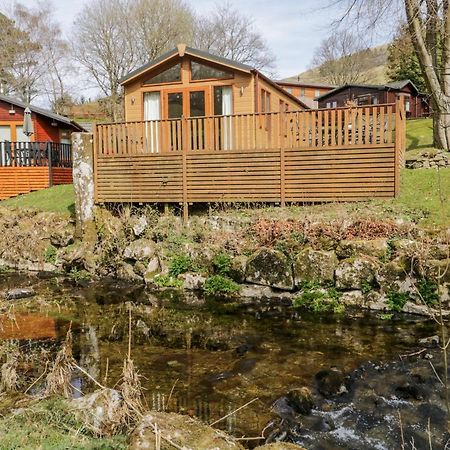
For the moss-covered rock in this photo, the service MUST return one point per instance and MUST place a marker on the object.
(270, 268)
(437, 268)
(395, 275)
(378, 248)
(314, 266)
(238, 267)
(301, 400)
(355, 273)
(184, 431)
(140, 249)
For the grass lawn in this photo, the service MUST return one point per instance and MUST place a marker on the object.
(56, 199)
(419, 136)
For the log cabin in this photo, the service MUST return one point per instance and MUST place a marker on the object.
(416, 104)
(24, 160)
(186, 82)
(305, 91)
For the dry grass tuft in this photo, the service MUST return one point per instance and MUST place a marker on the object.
(9, 381)
(59, 377)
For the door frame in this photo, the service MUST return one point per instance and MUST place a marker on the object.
(185, 91)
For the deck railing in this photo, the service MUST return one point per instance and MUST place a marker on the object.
(349, 127)
(35, 154)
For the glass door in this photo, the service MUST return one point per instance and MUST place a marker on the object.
(197, 113)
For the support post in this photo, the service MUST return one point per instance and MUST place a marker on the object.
(83, 183)
(50, 163)
(282, 178)
(184, 149)
(399, 141)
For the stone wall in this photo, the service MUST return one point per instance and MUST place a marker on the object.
(428, 160)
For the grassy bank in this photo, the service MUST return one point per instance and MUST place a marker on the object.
(419, 136)
(422, 199)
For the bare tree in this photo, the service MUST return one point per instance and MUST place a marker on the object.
(428, 22)
(342, 59)
(229, 34)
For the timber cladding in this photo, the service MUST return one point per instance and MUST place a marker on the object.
(286, 175)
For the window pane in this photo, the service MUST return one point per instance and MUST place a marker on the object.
(202, 72)
(175, 105)
(5, 133)
(197, 104)
(171, 75)
(218, 99)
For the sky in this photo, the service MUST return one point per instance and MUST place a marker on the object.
(292, 28)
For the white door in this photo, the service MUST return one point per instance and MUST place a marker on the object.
(152, 114)
(5, 136)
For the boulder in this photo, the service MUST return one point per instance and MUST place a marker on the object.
(270, 268)
(138, 225)
(126, 272)
(301, 400)
(100, 412)
(140, 249)
(15, 294)
(238, 268)
(395, 275)
(354, 273)
(183, 431)
(315, 266)
(330, 382)
(378, 248)
(193, 281)
(153, 268)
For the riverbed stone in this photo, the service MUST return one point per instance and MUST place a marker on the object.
(238, 268)
(301, 400)
(330, 382)
(18, 293)
(270, 267)
(315, 266)
(354, 273)
(100, 411)
(378, 248)
(182, 430)
(140, 249)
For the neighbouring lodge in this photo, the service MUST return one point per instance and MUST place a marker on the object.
(417, 104)
(305, 91)
(36, 160)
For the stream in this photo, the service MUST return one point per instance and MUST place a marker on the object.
(207, 357)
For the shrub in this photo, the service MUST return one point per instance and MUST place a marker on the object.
(366, 287)
(320, 301)
(222, 263)
(397, 300)
(218, 284)
(50, 254)
(77, 275)
(179, 264)
(428, 292)
(167, 281)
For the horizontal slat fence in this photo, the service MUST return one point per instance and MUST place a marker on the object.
(307, 156)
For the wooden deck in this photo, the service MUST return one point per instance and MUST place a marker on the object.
(341, 154)
(24, 167)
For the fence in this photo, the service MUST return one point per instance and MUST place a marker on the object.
(303, 156)
(29, 166)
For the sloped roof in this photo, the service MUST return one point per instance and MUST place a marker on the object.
(395, 85)
(304, 84)
(41, 111)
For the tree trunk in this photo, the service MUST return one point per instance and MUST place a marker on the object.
(441, 128)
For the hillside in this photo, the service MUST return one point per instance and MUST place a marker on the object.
(375, 72)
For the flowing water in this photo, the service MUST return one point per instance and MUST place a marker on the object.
(201, 356)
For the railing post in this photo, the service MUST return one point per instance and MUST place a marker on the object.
(282, 177)
(184, 149)
(399, 141)
(50, 166)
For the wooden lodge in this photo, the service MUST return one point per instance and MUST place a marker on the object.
(33, 162)
(199, 128)
(305, 91)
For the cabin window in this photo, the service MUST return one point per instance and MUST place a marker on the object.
(203, 72)
(223, 103)
(265, 101)
(328, 105)
(172, 75)
(334, 104)
(5, 133)
(317, 93)
(289, 90)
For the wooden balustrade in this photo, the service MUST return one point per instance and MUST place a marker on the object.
(356, 126)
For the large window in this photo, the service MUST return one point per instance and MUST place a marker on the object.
(204, 72)
(265, 101)
(172, 75)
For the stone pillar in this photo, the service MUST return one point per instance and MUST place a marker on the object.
(83, 182)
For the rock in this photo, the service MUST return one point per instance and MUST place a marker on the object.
(153, 268)
(406, 246)
(15, 294)
(100, 411)
(353, 298)
(431, 341)
(140, 249)
(355, 273)
(72, 256)
(330, 382)
(183, 431)
(193, 281)
(280, 446)
(435, 268)
(301, 400)
(138, 225)
(270, 268)
(378, 248)
(395, 275)
(238, 268)
(126, 272)
(315, 266)
(62, 237)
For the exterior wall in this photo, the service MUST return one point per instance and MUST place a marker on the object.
(243, 85)
(276, 96)
(43, 129)
(300, 92)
